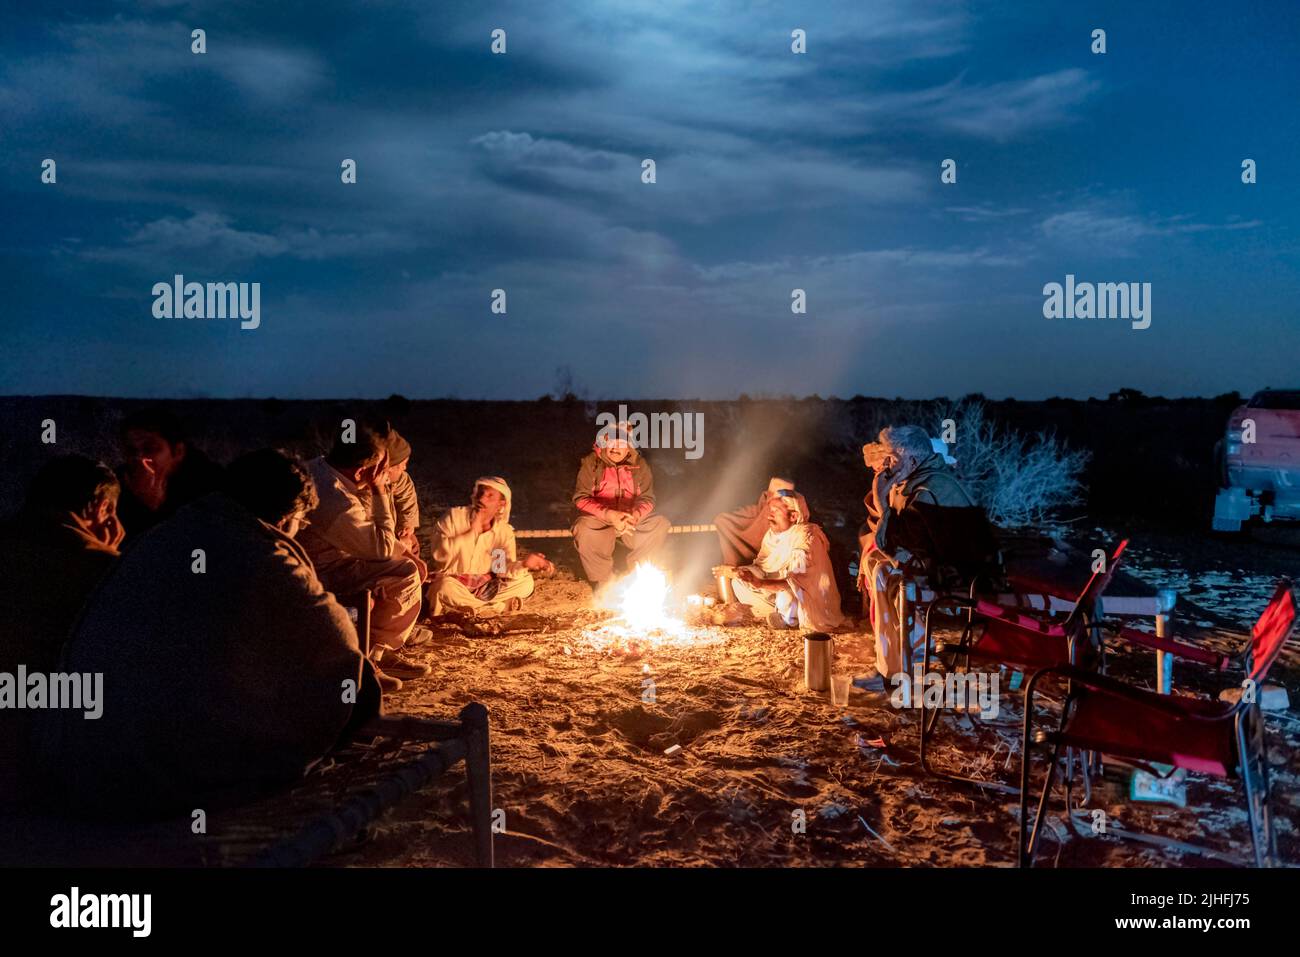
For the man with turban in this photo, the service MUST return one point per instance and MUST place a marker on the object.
(740, 532)
(791, 582)
(475, 568)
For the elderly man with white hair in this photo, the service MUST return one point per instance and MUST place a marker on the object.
(912, 484)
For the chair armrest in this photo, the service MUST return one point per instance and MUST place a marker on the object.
(1121, 689)
(1205, 656)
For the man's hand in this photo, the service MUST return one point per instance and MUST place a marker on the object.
(408, 539)
(897, 497)
(880, 488)
(747, 575)
(146, 483)
(112, 532)
(376, 476)
(479, 520)
(537, 562)
(618, 519)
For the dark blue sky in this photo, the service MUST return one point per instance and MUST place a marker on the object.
(775, 171)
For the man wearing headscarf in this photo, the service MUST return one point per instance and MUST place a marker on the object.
(475, 567)
(740, 532)
(791, 582)
(912, 486)
(615, 492)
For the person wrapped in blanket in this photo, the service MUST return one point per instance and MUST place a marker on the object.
(790, 583)
(475, 569)
(913, 488)
(741, 531)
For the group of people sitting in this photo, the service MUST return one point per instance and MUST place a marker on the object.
(219, 605)
(777, 561)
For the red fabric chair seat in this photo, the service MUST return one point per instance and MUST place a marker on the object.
(1020, 647)
(1119, 726)
(1027, 582)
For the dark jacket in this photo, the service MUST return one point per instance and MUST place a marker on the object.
(48, 567)
(196, 477)
(216, 684)
(932, 484)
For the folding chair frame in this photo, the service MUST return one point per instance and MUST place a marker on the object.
(1248, 737)
(1248, 733)
(1078, 624)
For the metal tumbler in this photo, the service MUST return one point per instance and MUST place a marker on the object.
(818, 653)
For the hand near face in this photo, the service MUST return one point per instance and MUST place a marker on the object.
(377, 475)
(111, 532)
(880, 488)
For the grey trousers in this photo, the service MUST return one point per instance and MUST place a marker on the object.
(595, 541)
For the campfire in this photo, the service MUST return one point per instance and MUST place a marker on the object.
(643, 620)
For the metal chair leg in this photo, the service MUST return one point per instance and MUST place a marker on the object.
(1032, 846)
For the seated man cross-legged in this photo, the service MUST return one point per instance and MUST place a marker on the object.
(475, 570)
(791, 582)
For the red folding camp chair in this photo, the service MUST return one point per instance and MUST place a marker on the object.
(1143, 728)
(1026, 640)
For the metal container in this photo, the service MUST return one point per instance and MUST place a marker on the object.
(818, 653)
(725, 594)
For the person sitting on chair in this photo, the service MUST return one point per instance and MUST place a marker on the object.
(163, 471)
(351, 537)
(61, 545)
(912, 488)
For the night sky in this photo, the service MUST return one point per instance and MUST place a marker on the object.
(775, 171)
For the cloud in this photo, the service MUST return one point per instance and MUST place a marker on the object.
(210, 239)
(1117, 233)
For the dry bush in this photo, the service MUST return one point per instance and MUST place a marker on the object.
(1020, 480)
